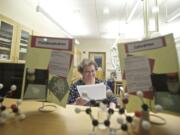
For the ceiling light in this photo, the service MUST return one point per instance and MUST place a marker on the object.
(106, 11)
(174, 15)
(133, 11)
(77, 42)
(155, 10)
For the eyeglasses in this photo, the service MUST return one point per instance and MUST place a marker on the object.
(91, 71)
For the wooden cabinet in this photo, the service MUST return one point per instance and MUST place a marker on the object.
(14, 40)
(23, 40)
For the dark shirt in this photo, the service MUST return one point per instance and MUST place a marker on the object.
(73, 94)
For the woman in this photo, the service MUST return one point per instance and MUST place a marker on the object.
(88, 69)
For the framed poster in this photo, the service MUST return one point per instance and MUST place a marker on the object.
(100, 59)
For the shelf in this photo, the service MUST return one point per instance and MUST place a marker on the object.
(5, 40)
(2, 31)
(5, 36)
(4, 44)
(24, 38)
(23, 45)
(23, 51)
(5, 49)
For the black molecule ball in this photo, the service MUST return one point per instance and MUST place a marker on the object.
(88, 110)
(105, 101)
(3, 107)
(15, 110)
(1, 99)
(124, 127)
(121, 111)
(93, 102)
(107, 123)
(129, 119)
(145, 107)
(95, 122)
(125, 100)
(110, 111)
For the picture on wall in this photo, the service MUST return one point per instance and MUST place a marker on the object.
(100, 59)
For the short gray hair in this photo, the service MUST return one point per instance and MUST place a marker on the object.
(86, 62)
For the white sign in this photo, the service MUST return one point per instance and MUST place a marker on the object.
(138, 74)
(94, 91)
(145, 45)
(52, 43)
(60, 63)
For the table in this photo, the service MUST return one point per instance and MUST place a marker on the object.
(64, 121)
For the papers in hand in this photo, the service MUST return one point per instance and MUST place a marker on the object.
(93, 91)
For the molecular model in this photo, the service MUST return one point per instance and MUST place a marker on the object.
(139, 122)
(8, 112)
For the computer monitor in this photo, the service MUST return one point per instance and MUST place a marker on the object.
(11, 74)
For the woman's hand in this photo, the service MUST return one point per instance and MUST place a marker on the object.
(80, 101)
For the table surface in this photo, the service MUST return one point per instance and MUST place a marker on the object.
(64, 121)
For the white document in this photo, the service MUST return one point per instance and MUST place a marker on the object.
(138, 73)
(94, 91)
(59, 63)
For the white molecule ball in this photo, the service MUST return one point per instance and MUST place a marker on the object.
(5, 114)
(18, 102)
(13, 87)
(146, 125)
(126, 95)
(139, 93)
(2, 120)
(77, 110)
(1, 86)
(21, 116)
(158, 108)
(120, 120)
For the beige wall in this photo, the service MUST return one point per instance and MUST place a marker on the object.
(97, 45)
(178, 54)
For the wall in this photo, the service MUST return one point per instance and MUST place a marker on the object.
(178, 55)
(97, 45)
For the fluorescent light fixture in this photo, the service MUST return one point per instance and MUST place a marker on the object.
(77, 42)
(133, 11)
(155, 10)
(106, 11)
(41, 10)
(174, 15)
